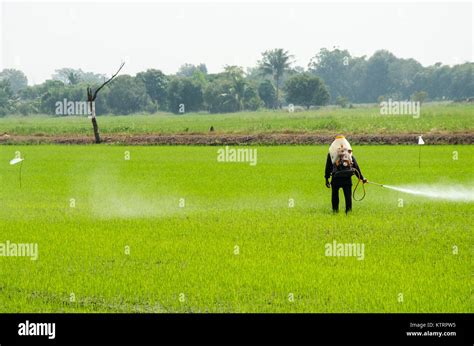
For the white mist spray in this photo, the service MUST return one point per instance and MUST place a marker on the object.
(457, 193)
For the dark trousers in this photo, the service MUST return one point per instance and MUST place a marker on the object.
(347, 189)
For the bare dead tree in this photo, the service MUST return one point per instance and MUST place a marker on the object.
(91, 102)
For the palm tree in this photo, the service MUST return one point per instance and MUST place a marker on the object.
(275, 62)
(236, 76)
(73, 77)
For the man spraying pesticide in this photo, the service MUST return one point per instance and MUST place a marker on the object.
(341, 165)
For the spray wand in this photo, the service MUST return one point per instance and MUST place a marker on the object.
(370, 182)
(363, 187)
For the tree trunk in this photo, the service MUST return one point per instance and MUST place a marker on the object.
(91, 99)
(277, 92)
(96, 130)
(94, 123)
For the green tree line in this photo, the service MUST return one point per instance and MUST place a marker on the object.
(331, 76)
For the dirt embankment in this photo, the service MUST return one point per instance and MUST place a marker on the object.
(241, 139)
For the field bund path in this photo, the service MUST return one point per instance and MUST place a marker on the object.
(239, 139)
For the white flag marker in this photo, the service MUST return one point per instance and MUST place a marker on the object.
(16, 160)
(420, 140)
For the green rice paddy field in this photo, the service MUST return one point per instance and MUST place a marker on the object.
(174, 230)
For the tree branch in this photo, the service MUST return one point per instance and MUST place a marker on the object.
(105, 83)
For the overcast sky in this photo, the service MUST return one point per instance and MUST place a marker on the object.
(38, 37)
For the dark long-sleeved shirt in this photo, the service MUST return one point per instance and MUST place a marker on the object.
(341, 180)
